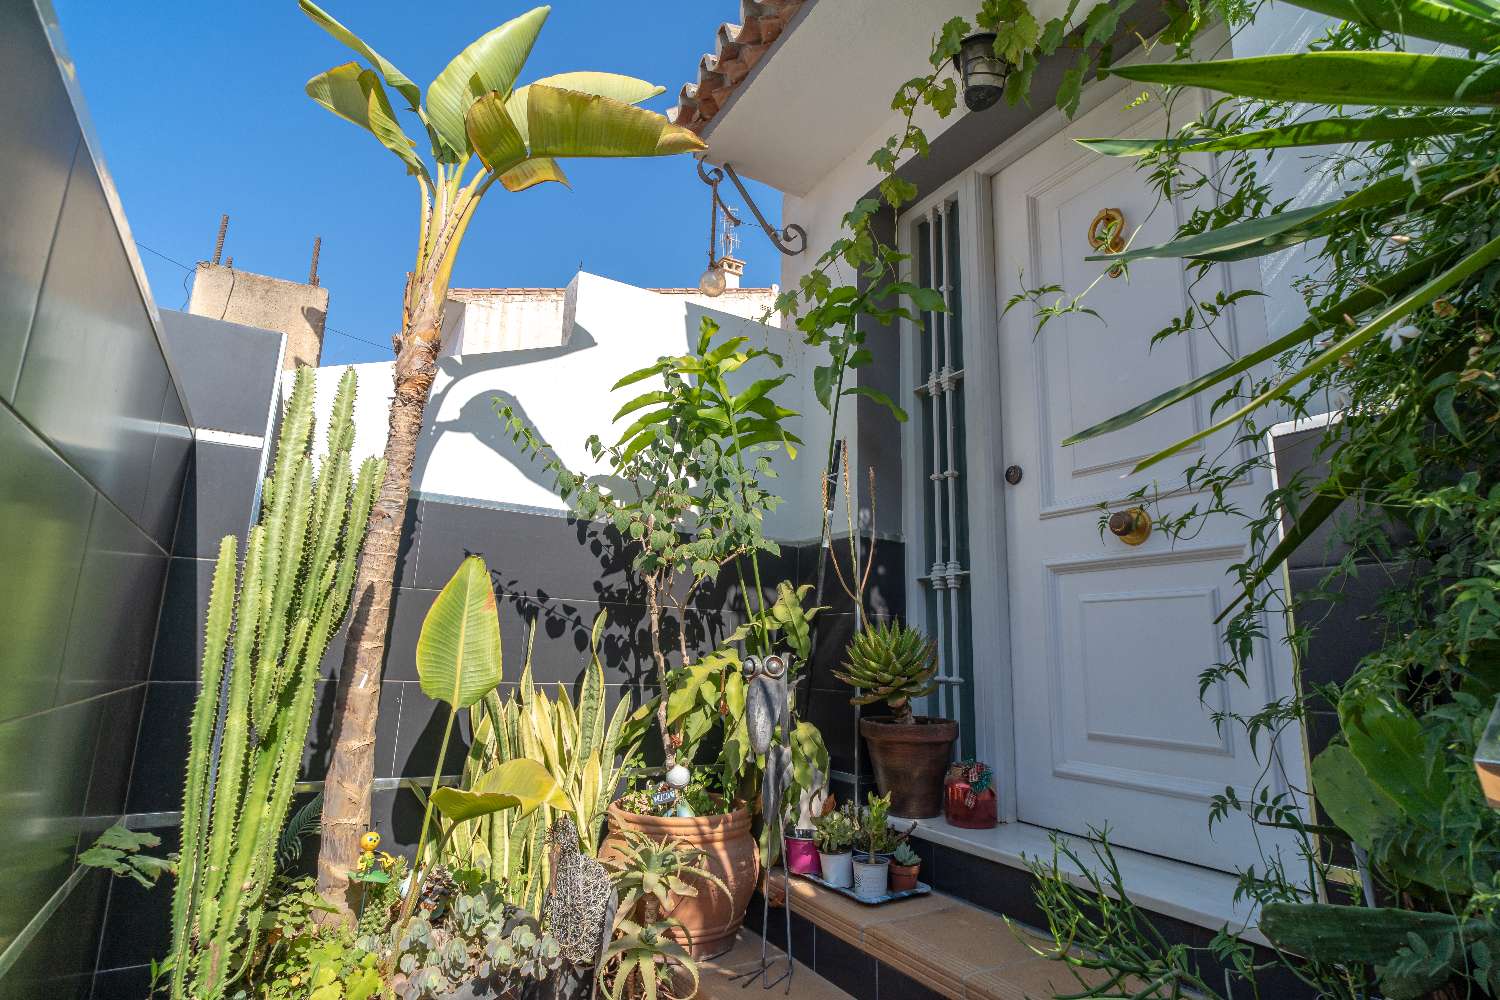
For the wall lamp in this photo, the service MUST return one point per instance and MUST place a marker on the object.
(982, 71)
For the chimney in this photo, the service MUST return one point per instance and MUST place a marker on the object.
(298, 311)
(733, 268)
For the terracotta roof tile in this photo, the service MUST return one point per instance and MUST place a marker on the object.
(737, 48)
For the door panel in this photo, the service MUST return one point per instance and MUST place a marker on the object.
(1108, 640)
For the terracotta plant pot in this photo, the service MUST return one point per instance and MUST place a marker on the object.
(838, 869)
(710, 919)
(904, 877)
(871, 878)
(910, 761)
(802, 855)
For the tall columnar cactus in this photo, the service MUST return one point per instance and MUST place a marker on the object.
(269, 621)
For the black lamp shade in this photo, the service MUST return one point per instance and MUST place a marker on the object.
(983, 73)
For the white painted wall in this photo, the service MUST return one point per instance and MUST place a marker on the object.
(564, 392)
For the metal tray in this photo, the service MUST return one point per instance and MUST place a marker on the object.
(922, 889)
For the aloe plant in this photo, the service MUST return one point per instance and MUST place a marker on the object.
(270, 618)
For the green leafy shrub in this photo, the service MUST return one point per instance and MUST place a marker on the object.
(835, 832)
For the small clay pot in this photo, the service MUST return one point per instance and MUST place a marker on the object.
(910, 761)
(904, 877)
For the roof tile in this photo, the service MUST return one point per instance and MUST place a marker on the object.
(737, 48)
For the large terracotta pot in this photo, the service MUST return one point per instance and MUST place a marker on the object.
(910, 762)
(711, 918)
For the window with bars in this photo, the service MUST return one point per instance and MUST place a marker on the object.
(943, 562)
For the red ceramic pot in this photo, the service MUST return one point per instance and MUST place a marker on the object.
(965, 808)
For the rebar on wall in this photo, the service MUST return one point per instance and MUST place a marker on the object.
(219, 242)
(312, 275)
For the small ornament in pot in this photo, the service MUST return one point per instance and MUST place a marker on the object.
(969, 795)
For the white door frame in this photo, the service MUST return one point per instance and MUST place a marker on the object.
(972, 189)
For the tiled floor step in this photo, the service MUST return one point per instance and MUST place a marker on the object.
(724, 979)
(917, 948)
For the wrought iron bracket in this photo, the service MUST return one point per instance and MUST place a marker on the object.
(790, 240)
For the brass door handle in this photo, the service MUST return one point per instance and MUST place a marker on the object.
(1131, 526)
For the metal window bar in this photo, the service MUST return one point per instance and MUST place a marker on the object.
(948, 536)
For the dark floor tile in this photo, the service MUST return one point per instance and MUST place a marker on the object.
(419, 735)
(893, 984)
(844, 965)
(803, 931)
(123, 984)
(218, 497)
(162, 751)
(184, 612)
(114, 752)
(987, 884)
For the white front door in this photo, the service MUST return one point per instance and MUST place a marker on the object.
(1108, 640)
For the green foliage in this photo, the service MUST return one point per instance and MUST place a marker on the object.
(301, 960)
(905, 856)
(875, 833)
(836, 831)
(305, 822)
(685, 490)
(649, 873)
(268, 626)
(1401, 294)
(586, 755)
(893, 663)
(482, 937)
(118, 851)
(459, 661)
(642, 962)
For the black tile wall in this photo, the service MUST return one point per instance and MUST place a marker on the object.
(218, 498)
(204, 350)
(93, 442)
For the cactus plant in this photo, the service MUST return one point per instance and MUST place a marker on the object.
(892, 663)
(270, 618)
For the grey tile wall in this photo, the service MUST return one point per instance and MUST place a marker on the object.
(93, 443)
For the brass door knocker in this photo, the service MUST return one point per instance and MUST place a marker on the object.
(1107, 235)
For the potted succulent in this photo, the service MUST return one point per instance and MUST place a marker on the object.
(905, 864)
(834, 834)
(893, 664)
(872, 868)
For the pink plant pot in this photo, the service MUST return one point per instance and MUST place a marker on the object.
(802, 856)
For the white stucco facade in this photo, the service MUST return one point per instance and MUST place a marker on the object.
(598, 331)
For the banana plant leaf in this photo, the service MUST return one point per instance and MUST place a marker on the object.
(1379, 79)
(1470, 30)
(490, 63)
(1322, 132)
(520, 784)
(356, 94)
(458, 651)
(392, 76)
(1361, 301)
(1422, 296)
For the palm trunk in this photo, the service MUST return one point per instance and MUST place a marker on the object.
(351, 767)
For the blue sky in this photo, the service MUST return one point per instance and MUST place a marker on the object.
(200, 110)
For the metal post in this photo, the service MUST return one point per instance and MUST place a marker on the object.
(312, 275)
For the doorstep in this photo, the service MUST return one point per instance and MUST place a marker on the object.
(926, 946)
(1199, 896)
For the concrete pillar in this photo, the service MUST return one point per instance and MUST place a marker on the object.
(288, 307)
